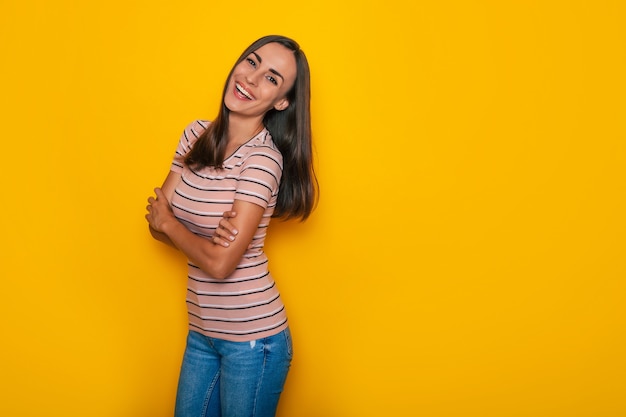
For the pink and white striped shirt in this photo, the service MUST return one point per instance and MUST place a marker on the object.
(246, 305)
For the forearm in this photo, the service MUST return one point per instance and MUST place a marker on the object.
(218, 261)
(161, 237)
(200, 251)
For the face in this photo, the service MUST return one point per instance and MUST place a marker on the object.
(261, 81)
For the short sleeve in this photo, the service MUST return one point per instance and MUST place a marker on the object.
(189, 136)
(260, 177)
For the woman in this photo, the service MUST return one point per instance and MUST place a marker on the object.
(228, 178)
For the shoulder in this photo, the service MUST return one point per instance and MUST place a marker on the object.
(196, 128)
(190, 135)
(264, 147)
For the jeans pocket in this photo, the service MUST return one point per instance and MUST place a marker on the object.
(288, 342)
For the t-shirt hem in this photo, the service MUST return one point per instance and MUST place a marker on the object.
(241, 338)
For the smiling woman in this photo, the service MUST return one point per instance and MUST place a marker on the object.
(256, 83)
(227, 180)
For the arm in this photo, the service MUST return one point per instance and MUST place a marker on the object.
(216, 260)
(168, 187)
(224, 234)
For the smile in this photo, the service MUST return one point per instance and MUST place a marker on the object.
(243, 92)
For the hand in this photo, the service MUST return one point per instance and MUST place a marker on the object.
(225, 232)
(159, 211)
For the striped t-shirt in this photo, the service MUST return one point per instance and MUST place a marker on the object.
(246, 305)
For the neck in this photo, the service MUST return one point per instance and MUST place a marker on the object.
(241, 130)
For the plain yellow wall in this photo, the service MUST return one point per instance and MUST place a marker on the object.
(467, 255)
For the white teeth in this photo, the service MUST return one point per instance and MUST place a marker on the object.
(244, 92)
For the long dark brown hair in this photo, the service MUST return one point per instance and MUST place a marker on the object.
(290, 130)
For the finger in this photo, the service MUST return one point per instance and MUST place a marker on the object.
(226, 224)
(159, 193)
(227, 229)
(218, 240)
(224, 234)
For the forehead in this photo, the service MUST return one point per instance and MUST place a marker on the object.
(279, 58)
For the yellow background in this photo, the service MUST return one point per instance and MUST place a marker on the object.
(467, 255)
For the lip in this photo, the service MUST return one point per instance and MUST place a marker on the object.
(237, 90)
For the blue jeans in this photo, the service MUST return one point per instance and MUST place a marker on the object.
(219, 378)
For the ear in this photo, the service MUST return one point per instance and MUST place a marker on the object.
(281, 104)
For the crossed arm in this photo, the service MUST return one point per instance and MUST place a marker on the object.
(217, 256)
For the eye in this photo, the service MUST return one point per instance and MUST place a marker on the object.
(272, 79)
(251, 62)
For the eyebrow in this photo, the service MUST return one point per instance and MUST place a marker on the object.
(272, 70)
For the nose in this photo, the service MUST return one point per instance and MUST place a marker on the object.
(252, 78)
